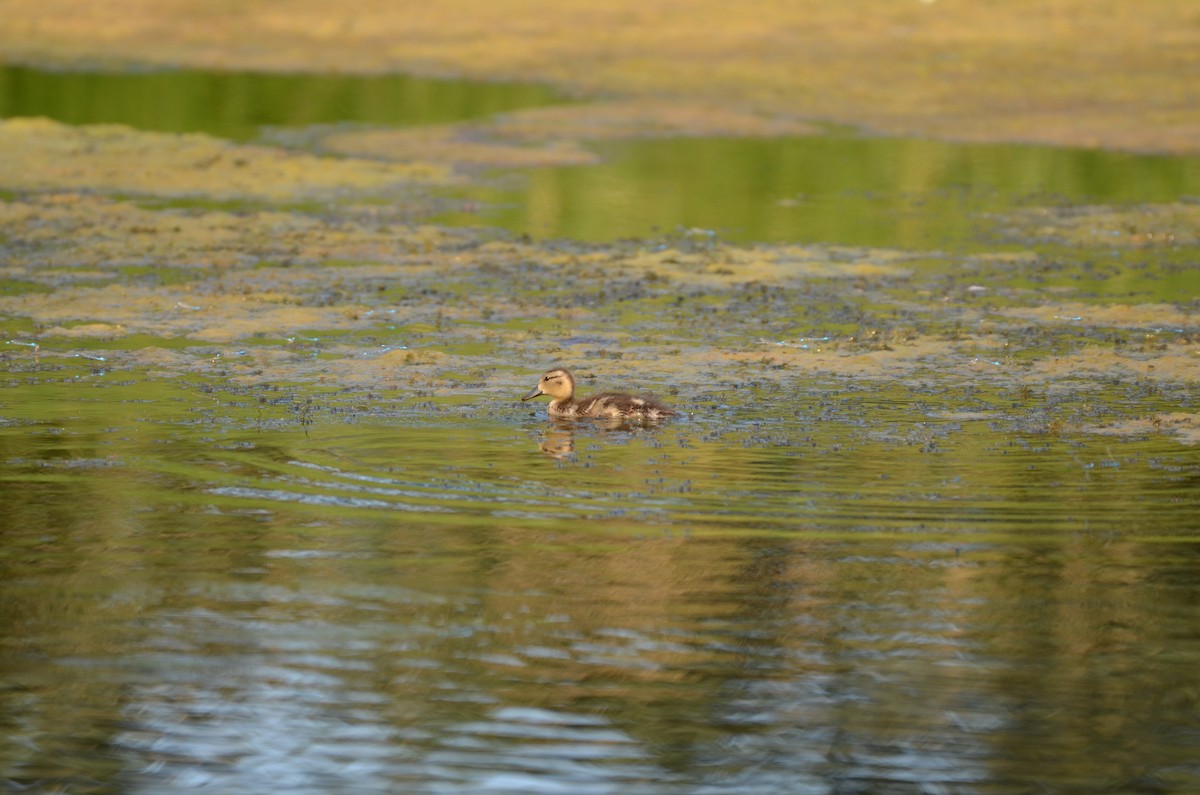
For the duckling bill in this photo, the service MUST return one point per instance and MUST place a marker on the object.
(559, 384)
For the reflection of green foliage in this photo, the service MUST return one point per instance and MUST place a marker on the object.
(834, 189)
(237, 104)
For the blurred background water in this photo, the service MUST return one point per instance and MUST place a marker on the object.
(839, 188)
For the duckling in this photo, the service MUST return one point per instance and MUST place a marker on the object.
(559, 384)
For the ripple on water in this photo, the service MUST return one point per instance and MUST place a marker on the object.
(668, 479)
(433, 607)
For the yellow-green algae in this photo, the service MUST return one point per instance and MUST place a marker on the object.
(365, 301)
(555, 135)
(41, 154)
(353, 292)
(1077, 72)
(1144, 226)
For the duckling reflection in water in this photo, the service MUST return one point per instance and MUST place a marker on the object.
(558, 443)
(559, 384)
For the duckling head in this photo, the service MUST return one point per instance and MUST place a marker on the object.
(557, 383)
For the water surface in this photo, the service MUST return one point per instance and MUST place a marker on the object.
(838, 188)
(221, 593)
(333, 553)
(239, 105)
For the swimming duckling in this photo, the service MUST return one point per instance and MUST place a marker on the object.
(559, 384)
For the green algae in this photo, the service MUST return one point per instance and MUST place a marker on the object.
(918, 498)
(471, 318)
(1067, 72)
(322, 279)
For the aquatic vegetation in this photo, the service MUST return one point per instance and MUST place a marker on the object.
(368, 302)
(275, 517)
(555, 136)
(1068, 72)
(47, 155)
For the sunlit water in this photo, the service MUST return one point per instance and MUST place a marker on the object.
(822, 587)
(749, 600)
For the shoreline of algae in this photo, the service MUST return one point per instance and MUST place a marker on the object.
(44, 155)
(356, 295)
(1061, 72)
(317, 270)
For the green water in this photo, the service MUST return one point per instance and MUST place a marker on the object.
(840, 189)
(238, 105)
(295, 563)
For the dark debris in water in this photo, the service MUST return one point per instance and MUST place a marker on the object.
(353, 299)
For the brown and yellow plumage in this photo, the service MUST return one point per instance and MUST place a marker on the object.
(559, 384)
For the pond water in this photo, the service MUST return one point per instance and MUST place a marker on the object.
(838, 188)
(290, 564)
(238, 105)
(423, 600)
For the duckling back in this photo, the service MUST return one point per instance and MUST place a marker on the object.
(617, 405)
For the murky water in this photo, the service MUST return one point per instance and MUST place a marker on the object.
(839, 188)
(349, 560)
(206, 590)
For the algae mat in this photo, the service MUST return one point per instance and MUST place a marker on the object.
(1071, 72)
(190, 287)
